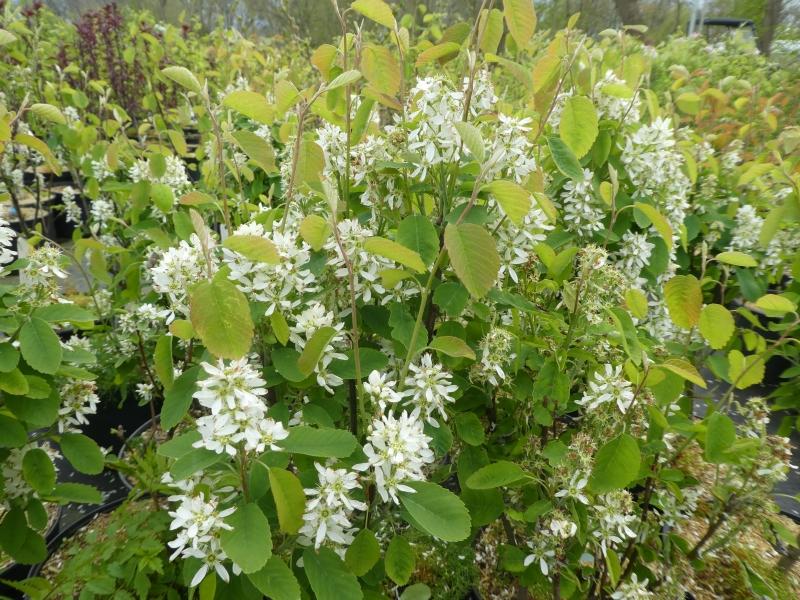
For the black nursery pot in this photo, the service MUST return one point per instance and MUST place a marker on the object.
(115, 415)
(124, 449)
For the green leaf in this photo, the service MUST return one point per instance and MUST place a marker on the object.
(436, 511)
(178, 398)
(774, 305)
(363, 553)
(179, 445)
(48, 112)
(520, 18)
(514, 199)
(38, 470)
(83, 453)
(627, 334)
(716, 325)
(19, 541)
(399, 560)
(290, 500)
(376, 10)
(12, 432)
(382, 70)
(162, 361)
(276, 580)
(578, 125)
(744, 371)
(451, 297)
(685, 369)
(418, 233)
(418, 591)
(221, 318)
(658, 220)
(279, 327)
(254, 248)
(251, 104)
(40, 346)
(492, 24)
(616, 464)
(310, 162)
(9, 359)
(564, 158)
(194, 461)
(324, 443)
(346, 78)
(471, 137)
(40, 147)
(329, 578)
(257, 149)
(249, 543)
(452, 346)
(183, 77)
(315, 230)
(689, 103)
(15, 383)
(636, 302)
(64, 313)
(737, 259)
(473, 255)
(440, 52)
(77, 492)
(720, 435)
(6, 37)
(470, 428)
(314, 349)
(496, 475)
(684, 300)
(396, 252)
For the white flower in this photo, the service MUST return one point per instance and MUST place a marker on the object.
(429, 388)
(633, 255)
(397, 451)
(235, 395)
(633, 589)
(495, 354)
(381, 391)
(174, 176)
(541, 552)
(563, 528)
(583, 212)
(306, 325)
(177, 270)
(14, 482)
(324, 522)
(78, 399)
(608, 386)
(102, 211)
(7, 236)
(516, 244)
(145, 392)
(200, 523)
(613, 106)
(613, 517)
(575, 488)
(748, 228)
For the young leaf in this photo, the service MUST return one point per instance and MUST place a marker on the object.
(289, 499)
(659, 222)
(221, 317)
(251, 104)
(249, 543)
(183, 77)
(257, 149)
(396, 252)
(684, 369)
(346, 78)
(684, 300)
(315, 231)
(254, 248)
(178, 398)
(400, 560)
(376, 10)
(716, 325)
(472, 139)
(48, 112)
(636, 302)
(616, 464)
(578, 125)
(514, 199)
(443, 52)
(436, 511)
(737, 259)
(381, 69)
(521, 20)
(744, 371)
(774, 305)
(452, 346)
(162, 361)
(473, 255)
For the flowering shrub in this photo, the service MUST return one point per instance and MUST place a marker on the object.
(389, 307)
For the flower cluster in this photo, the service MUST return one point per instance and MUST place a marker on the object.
(78, 399)
(234, 393)
(429, 389)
